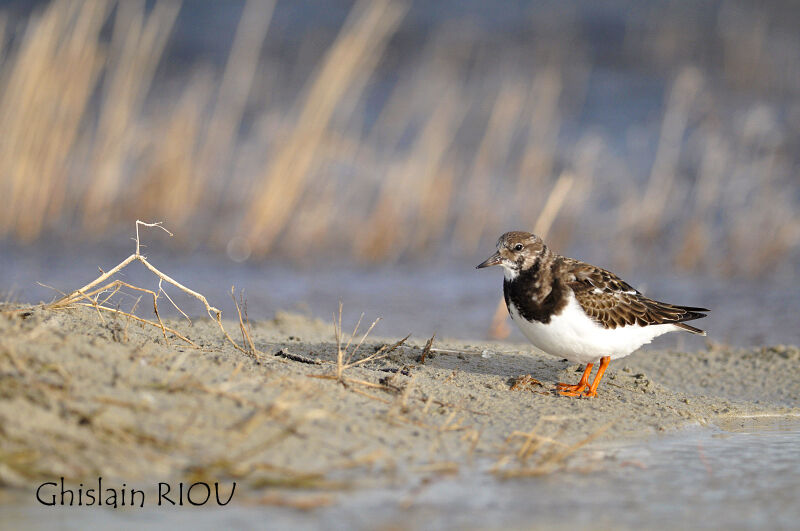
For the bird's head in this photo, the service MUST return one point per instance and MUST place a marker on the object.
(516, 251)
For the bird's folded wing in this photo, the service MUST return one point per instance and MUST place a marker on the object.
(613, 303)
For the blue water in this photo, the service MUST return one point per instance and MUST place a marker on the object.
(741, 474)
(449, 298)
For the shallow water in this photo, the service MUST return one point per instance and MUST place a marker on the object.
(449, 298)
(739, 474)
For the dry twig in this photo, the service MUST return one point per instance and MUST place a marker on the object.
(92, 291)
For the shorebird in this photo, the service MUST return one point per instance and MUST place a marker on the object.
(574, 310)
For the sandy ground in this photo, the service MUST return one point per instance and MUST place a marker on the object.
(82, 396)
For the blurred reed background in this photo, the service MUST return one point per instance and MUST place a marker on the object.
(659, 133)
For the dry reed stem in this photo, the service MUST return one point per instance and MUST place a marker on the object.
(555, 201)
(410, 187)
(137, 44)
(663, 173)
(696, 240)
(494, 145)
(57, 60)
(499, 329)
(235, 86)
(366, 32)
(81, 136)
(544, 123)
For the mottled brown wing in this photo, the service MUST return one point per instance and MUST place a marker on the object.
(612, 302)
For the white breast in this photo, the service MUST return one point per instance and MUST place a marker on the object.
(575, 336)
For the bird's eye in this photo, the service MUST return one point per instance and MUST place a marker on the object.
(518, 247)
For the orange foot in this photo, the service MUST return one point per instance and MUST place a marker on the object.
(571, 387)
(577, 390)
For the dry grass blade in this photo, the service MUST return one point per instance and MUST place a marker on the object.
(244, 324)
(114, 287)
(345, 355)
(547, 453)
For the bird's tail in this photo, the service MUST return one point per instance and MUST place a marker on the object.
(692, 313)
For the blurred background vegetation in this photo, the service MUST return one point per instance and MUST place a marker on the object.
(662, 133)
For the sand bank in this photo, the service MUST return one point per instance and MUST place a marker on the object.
(83, 396)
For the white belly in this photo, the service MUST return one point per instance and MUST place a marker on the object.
(576, 337)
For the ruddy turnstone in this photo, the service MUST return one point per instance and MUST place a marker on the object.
(574, 310)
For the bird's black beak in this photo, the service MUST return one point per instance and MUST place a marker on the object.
(493, 260)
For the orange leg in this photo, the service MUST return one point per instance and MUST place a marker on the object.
(604, 361)
(575, 390)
